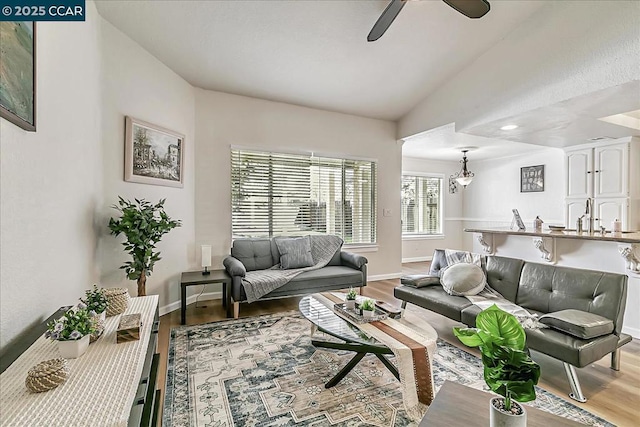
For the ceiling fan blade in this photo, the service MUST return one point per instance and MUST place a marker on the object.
(385, 19)
(471, 8)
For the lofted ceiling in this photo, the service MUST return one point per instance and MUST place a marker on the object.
(315, 53)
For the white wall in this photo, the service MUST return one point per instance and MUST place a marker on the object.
(421, 248)
(50, 181)
(495, 190)
(567, 49)
(223, 120)
(134, 83)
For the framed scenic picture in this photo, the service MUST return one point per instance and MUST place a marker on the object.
(18, 73)
(153, 155)
(532, 179)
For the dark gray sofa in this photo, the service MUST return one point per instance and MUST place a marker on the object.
(541, 289)
(345, 270)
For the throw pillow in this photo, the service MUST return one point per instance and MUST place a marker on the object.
(295, 253)
(578, 323)
(463, 279)
(420, 280)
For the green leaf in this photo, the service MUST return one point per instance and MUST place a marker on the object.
(508, 368)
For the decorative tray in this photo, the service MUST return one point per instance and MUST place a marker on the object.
(357, 317)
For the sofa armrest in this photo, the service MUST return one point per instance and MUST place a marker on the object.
(234, 266)
(353, 260)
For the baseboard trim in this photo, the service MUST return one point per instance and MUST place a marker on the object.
(634, 332)
(417, 259)
(165, 309)
(384, 277)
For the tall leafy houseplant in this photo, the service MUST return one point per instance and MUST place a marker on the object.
(143, 225)
(508, 369)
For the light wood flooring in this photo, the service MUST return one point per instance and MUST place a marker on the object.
(615, 396)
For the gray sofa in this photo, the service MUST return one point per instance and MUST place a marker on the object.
(542, 289)
(345, 270)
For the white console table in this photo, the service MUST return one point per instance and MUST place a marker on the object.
(110, 385)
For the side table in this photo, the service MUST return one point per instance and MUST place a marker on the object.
(459, 405)
(190, 278)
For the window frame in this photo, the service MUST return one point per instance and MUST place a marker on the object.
(361, 246)
(441, 205)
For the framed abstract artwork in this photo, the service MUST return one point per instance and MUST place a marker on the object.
(532, 179)
(153, 155)
(18, 73)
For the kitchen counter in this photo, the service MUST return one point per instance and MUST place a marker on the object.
(625, 237)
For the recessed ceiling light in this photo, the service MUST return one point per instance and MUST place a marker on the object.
(509, 127)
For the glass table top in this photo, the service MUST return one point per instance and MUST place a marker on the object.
(329, 322)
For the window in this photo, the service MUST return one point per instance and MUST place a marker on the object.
(421, 204)
(275, 194)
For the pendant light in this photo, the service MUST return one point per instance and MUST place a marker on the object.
(464, 176)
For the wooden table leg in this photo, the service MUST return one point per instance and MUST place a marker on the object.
(183, 304)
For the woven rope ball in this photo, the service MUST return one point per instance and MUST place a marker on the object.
(47, 375)
(117, 299)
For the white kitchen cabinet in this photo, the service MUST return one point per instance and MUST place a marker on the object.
(611, 171)
(607, 210)
(605, 173)
(579, 173)
(574, 209)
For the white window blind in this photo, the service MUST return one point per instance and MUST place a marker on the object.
(421, 205)
(275, 194)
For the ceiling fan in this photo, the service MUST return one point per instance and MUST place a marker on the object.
(471, 8)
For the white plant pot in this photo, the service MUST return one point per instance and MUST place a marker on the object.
(74, 348)
(367, 313)
(350, 304)
(497, 418)
(103, 316)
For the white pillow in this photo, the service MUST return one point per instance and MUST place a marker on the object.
(463, 279)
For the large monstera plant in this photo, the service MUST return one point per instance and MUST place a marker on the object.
(508, 368)
(143, 225)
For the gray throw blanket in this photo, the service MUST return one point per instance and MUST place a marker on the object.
(489, 296)
(258, 283)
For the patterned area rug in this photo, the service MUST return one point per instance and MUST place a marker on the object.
(263, 371)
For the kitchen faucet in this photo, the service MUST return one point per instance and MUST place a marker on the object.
(588, 213)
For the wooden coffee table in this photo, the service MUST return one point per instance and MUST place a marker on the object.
(458, 405)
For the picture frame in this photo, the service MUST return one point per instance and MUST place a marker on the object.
(18, 73)
(532, 179)
(517, 220)
(153, 155)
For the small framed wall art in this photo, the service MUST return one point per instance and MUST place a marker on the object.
(532, 179)
(18, 73)
(153, 155)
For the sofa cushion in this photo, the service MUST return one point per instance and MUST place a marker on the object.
(254, 253)
(420, 280)
(320, 280)
(294, 252)
(575, 351)
(503, 275)
(549, 288)
(463, 279)
(433, 298)
(578, 323)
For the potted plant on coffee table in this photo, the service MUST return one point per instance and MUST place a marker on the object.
(72, 331)
(143, 224)
(350, 300)
(367, 307)
(96, 302)
(508, 368)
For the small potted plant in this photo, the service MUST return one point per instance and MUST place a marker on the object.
(508, 368)
(72, 331)
(350, 301)
(367, 307)
(96, 302)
